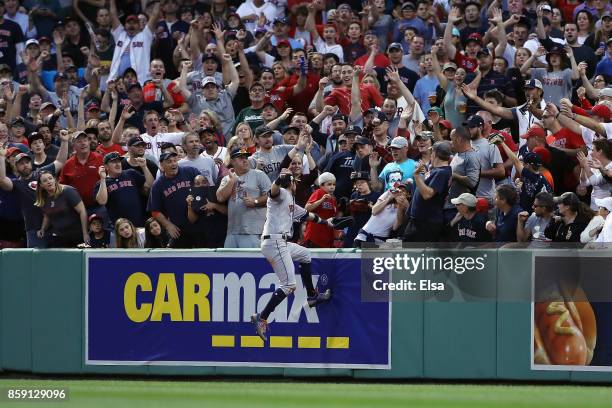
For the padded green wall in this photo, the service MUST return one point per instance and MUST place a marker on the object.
(42, 330)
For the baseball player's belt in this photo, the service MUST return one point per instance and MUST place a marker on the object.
(277, 236)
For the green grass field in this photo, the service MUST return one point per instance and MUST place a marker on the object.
(270, 394)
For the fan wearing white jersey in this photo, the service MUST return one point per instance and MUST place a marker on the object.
(282, 211)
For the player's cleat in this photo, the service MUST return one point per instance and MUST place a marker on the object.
(261, 326)
(319, 298)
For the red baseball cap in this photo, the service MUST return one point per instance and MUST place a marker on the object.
(446, 124)
(482, 205)
(283, 42)
(131, 17)
(535, 131)
(602, 111)
(474, 37)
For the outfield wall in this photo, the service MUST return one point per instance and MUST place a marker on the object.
(42, 328)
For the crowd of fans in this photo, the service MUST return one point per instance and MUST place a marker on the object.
(163, 124)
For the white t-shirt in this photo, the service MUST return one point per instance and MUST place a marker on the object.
(247, 8)
(154, 143)
(323, 48)
(140, 52)
(381, 224)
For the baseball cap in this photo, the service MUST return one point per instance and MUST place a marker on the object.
(166, 156)
(604, 202)
(280, 20)
(263, 131)
(210, 56)
(602, 111)
(340, 116)
(112, 156)
(546, 7)
(239, 152)
(474, 37)
(568, 198)
(94, 217)
(395, 46)
(45, 105)
(543, 153)
(436, 110)
(425, 135)
(209, 80)
(533, 83)
(408, 6)
(131, 17)
(22, 156)
(93, 106)
(362, 141)
(136, 140)
(12, 150)
(532, 158)
(31, 41)
(18, 120)
(60, 76)
(606, 14)
(294, 128)
(474, 121)
(556, 49)
(91, 130)
(77, 134)
(535, 131)
(443, 149)
(399, 142)
(449, 65)
(360, 175)
(369, 32)
(602, 92)
(484, 51)
(446, 124)
(35, 136)
(352, 130)
(381, 116)
(283, 43)
(344, 6)
(467, 199)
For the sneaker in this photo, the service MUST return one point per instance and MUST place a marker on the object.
(261, 326)
(319, 298)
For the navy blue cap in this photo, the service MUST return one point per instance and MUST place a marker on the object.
(356, 130)
(109, 157)
(340, 116)
(475, 121)
(239, 152)
(166, 155)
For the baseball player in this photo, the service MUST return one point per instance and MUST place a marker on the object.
(281, 213)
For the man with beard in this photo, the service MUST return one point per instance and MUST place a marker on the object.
(341, 95)
(105, 138)
(338, 125)
(136, 150)
(25, 187)
(133, 46)
(269, 157)
(490, 80)
(252, 114)
(341, 163)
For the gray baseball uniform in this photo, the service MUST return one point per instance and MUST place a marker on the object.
(281, 213)
(271, 160)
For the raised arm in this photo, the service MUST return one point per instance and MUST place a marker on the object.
(563, 118)
(114, 15)
(453, 18)
(393, 75)
(527, 65)
(355, 112)
(228, 65)
(570, 54)
(436, 68)
(154, 17)
(310, 22)
(127, 112)
(182, 85)
(5, 182)
(496, 110)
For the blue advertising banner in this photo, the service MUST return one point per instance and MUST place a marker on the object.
(194, 309)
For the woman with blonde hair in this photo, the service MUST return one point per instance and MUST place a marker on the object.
(233, 143)
(244, 131)
(64, 213)
(128, 236)
(369, 79)
(209, 119)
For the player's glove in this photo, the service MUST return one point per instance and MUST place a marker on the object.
(342, 222)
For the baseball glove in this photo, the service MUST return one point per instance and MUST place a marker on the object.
(343, 222)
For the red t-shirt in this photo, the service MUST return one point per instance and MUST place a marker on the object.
(341, 97)
(566, 139)
(380, 60)
(300, 101)
(468, 63)
(177, 95)
(113, 148)
(321, 235)
(83, 177)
